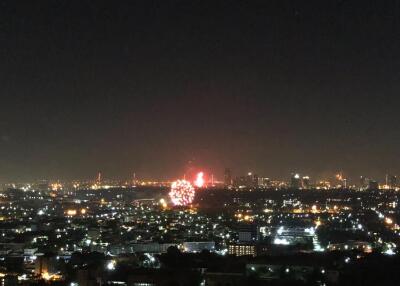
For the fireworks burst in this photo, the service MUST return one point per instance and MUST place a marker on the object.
(182, 193)
(199, 182)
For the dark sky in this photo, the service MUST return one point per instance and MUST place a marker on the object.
(147, 86)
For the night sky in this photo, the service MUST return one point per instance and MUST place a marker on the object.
(156, 87)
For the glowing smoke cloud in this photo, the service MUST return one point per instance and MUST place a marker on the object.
(182, 193)
(199, 182)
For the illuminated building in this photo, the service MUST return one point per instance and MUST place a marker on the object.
(350, 245)
(248, 181)
(323, 185)
(252, 180)
(363, 183)
(46, 266)
(295, 181)
(292, 235)
(242, 249)
(373, 185)
(264, 182)
(151, 247)
(196, 246)
(248, 232)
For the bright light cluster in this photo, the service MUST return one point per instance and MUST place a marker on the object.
(199, 182)
(182, 193)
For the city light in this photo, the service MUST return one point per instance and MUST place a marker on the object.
(388, 220)
(281, 241)
(163, 203)
(111, 265)
(71, 212)
(46, 276)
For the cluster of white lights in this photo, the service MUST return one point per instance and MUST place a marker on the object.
(182, 193)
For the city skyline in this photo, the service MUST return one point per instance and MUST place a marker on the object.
(201, 179)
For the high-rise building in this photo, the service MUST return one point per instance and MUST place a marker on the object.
(306, 182)
(264, 182)
(252, 180)
(391, 181)
(228, 177)
(373, 185)
(364, 182)
(248, 181)
(295, 181)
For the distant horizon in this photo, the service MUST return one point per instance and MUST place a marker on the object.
(220, 178)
